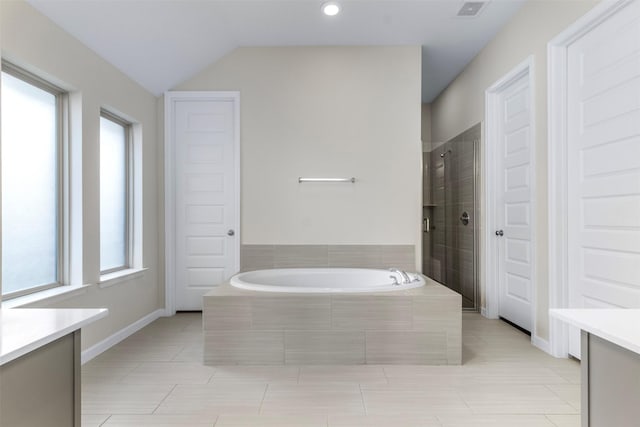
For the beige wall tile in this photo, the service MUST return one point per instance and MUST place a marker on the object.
(437, 313)
(324, 347)
(291, 312)
(257, 257)
(359, 256)
(406, 347)
(349, 312)
(243, 347)
(454, 348)
(226, 313)
(301, 256)
(398, 256)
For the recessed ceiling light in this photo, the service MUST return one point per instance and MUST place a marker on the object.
(330, 8)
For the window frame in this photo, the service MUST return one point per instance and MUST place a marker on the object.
(61, 98)
(129, 187)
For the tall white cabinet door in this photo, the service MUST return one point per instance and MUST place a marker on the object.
(514, 195)
(604, 166)
(206, 232)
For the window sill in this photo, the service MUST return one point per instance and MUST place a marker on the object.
(107, 280)
(56, 294)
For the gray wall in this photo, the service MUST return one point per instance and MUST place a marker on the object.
(452, 192)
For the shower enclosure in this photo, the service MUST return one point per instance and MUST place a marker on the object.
(450, 215)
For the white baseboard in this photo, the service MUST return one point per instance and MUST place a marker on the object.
(483, 311)
(541, 343)
(123, 333)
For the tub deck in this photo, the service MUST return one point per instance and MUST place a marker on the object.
(414, 326)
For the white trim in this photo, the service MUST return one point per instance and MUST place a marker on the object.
(170, 98)
(122, 334)
(120, 276)
(48, 296)
(557, 70)
(542, 344)
(492, 95)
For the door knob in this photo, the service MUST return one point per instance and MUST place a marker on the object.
(499, 233)
(231, 233)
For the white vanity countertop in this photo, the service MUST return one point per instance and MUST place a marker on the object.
(25, 329)
(619, 325)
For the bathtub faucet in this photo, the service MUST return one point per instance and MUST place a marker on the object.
(405, 276)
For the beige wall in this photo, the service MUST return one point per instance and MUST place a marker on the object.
(461, 105)
(326, 112)
(32, 41)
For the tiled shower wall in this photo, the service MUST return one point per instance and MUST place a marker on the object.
(258, 257)
(452, 193)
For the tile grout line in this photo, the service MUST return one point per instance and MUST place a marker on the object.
(211, 377)
(264, 395)
(566, 402)
(164, 398)
(386, 377)
(106, 419)
(364, 405)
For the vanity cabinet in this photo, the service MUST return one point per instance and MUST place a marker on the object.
(40, 366)
(610, 378)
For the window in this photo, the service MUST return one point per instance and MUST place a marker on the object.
(115, 213)
(31, 183)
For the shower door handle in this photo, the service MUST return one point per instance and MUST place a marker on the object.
(464, 218)
(499, 233)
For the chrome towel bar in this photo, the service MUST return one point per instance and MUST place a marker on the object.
(300, 179)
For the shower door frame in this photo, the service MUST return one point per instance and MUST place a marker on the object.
(477, 221)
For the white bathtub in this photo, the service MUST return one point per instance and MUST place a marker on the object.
(325, 280)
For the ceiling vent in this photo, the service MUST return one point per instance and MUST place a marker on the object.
(470, 9)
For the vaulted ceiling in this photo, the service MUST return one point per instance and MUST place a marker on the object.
(161, 43)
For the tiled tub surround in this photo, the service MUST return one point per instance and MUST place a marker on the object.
(260, 257)
(414, 326)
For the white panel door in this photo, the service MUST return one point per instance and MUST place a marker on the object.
(513, 197)
(604, 166)
(206, 233)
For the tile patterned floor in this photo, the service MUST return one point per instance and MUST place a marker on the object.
(156, 378)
